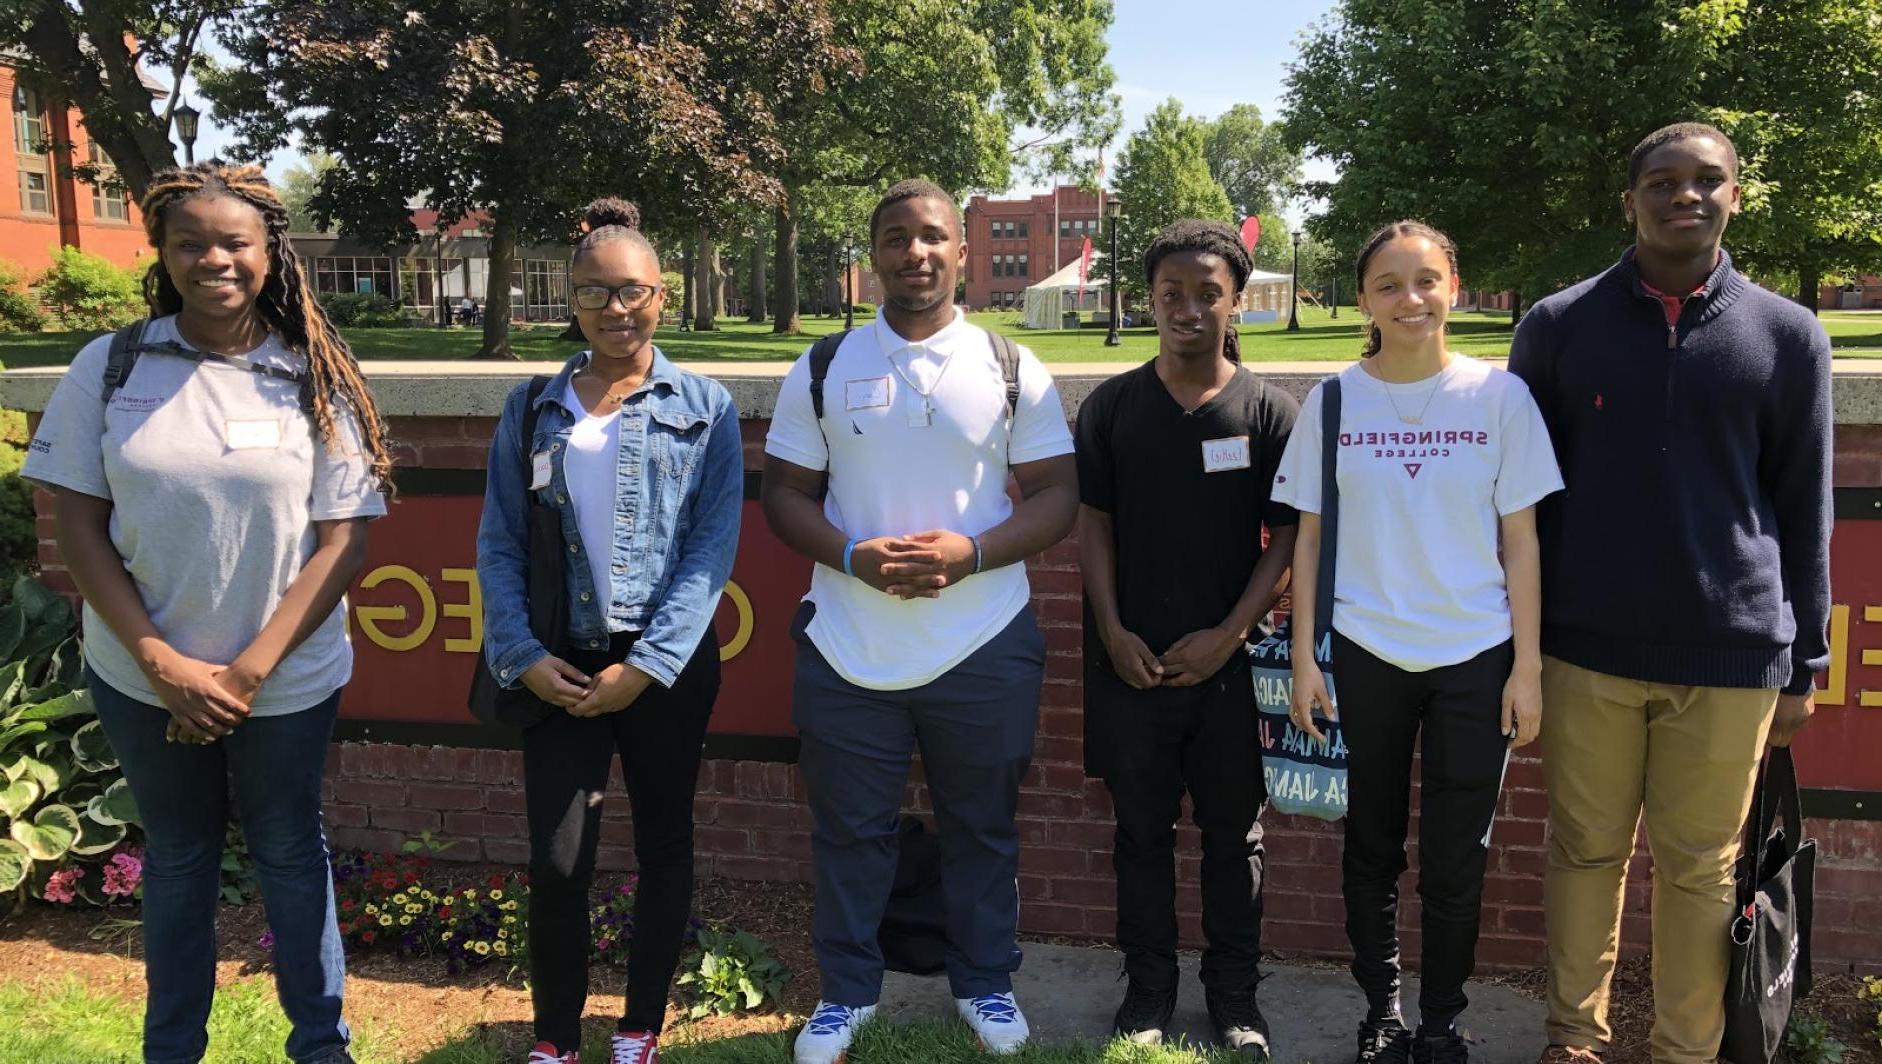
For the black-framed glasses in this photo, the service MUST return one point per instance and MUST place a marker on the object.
(632, 296)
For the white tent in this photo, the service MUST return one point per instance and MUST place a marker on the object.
(1051, 299)
(1265, 296)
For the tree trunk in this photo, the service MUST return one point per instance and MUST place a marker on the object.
(755, 286)
(786, 320)
(1809, 284)
(717, 288)
(497, 291)
(702, 282)
(1516, 307)
(99, 73)
(688, 287)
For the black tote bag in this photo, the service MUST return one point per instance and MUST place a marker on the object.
(518, 706)
(1770, 960)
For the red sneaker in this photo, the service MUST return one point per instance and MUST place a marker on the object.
(634, 1047)
(544, 1053)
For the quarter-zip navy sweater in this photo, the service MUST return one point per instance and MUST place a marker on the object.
(1692, 544)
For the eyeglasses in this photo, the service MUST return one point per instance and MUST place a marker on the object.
(632, 296)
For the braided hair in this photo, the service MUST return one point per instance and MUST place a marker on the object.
(1379, 239)
(287, 305)
(1208, 238)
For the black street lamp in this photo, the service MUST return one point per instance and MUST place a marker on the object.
(849, 289)
(186, 118)
(1113, 212)
(1293, 291)
(1336, 295)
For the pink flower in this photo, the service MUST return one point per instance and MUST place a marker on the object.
(59, 887)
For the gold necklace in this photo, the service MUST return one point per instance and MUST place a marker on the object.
(1430, 393)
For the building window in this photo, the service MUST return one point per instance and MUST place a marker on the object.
(539, 290)
(29, 136)
(419, 278)
(107, 195)
(369, 274)
(1023, 267)
(1065, 228)
(1022, 230)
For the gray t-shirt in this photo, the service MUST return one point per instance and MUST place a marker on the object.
(215, 478)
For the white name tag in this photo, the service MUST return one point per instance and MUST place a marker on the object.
(1230, 452)
(254, 435)
(540, 471)
(864, 394)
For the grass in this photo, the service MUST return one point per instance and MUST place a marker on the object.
(1485, 335)
(65, 1023)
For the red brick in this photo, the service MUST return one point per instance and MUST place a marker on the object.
(1100, 893)
(722, 840)
(370, 793)
(454, 456)
(1033, 888)
(507, 851)
(1047, 918)
(446, 796)
(1054, 861)
(428, 428)
(768, 869)
(792, 844)
(1524, 922)
(505, 800)
(411, 821)
(344, 816)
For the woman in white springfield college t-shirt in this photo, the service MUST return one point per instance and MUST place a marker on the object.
(1436, 619)
(212, 509)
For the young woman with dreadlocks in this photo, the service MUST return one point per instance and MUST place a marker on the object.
(1436, 621)
(211, 507)
(1175, 459)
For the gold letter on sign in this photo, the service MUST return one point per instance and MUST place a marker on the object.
(1871, 657)
(742, 603)
(1836, 693)
(471, 609)
(370, 616)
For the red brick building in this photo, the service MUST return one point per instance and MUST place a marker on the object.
(42, 206)
(1015, 243)
(1864, 293)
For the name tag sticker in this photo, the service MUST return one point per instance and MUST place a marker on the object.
(539, 471)
(865, 394)
(1230, 452)
(254, 435)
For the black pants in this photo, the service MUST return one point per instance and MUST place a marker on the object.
(1164, 741)
(1383, 709)
(565, 771)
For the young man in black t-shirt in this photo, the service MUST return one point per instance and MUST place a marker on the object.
(1175, 460)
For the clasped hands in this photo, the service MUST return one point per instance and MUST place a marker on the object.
(609, 691)
(918, 565)
(206, 701)
(1188, 661)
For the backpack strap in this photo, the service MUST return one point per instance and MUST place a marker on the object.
(1006, 352)
(126, 344)
(1329, 506)
(822, 353)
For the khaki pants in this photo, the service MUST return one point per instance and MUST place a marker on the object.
(1688, 757)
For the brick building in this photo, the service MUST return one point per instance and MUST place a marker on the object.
(1864, 293)
(1012, 244)
(42, 205)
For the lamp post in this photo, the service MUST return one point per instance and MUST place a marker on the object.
(849, 289)
(1336, 296)
(186, 118)
(1113, 213)
(1293, 289)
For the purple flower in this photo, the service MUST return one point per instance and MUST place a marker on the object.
(266, 941)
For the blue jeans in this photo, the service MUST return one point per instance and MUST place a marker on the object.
(182, 793)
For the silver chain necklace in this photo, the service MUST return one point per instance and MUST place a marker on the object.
(1430, 393)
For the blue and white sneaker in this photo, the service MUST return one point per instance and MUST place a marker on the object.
(996, 1021)
(826, 1038)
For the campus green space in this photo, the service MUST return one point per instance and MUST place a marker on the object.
(1321, 338)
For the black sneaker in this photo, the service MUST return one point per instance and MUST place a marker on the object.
(1144, 1015)
(1239, 1023)
(1445, 1047)
(1384, 1042)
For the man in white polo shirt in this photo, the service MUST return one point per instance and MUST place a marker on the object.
(917, 629)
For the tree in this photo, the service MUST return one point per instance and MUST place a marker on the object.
(1163, 175)
(526, 111)
(1251, 160)
(91, 53)
(942, 89)
(299, 183)
(1275, 250)
(1507, 123)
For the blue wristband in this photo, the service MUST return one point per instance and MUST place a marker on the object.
(849, 549)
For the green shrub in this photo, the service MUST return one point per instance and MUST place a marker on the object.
(88, 292)
(865, 310)
(361, 310)
(732, 972)
(19, 535)
(1809, 1041)
(65, 809)
(18, 311)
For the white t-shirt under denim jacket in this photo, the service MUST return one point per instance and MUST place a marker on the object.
(1426, 470)
(216, 478)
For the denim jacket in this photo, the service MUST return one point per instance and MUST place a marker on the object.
(679, 491)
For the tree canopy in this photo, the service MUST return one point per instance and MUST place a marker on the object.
(1252, 160)
(1163, 175)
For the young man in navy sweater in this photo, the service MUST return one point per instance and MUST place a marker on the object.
(1685, 583)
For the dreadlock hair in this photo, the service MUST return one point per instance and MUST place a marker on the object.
(1207, 238)
(912, 188)
(1665, 135)
(1379, 239)
(608, 219)
(287, 305)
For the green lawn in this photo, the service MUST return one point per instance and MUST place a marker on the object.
(1319, 339)
(69, 1024)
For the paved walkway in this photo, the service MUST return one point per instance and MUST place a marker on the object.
(1070, 992)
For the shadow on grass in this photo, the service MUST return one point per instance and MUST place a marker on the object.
(501, 1043)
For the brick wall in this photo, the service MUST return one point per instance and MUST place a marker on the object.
(753, 824)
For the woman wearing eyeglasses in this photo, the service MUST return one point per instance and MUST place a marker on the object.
(642, 462)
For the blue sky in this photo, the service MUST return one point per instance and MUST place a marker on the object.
(1209, 54)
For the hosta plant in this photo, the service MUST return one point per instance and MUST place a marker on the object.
(65, 810)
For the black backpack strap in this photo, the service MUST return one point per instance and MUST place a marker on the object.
(126, 344)
(1006, 352)
(1329, 506)
(822, 353)
(532, 413)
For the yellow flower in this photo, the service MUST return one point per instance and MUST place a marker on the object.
(447, 935)
(470, 894)
(501, 933)
(502, 948)
(405, 921)
(371, 909)
(414, 909)
(481, 947)
(385, 920)
(509, 919)
(399, 898)
(508, 906)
